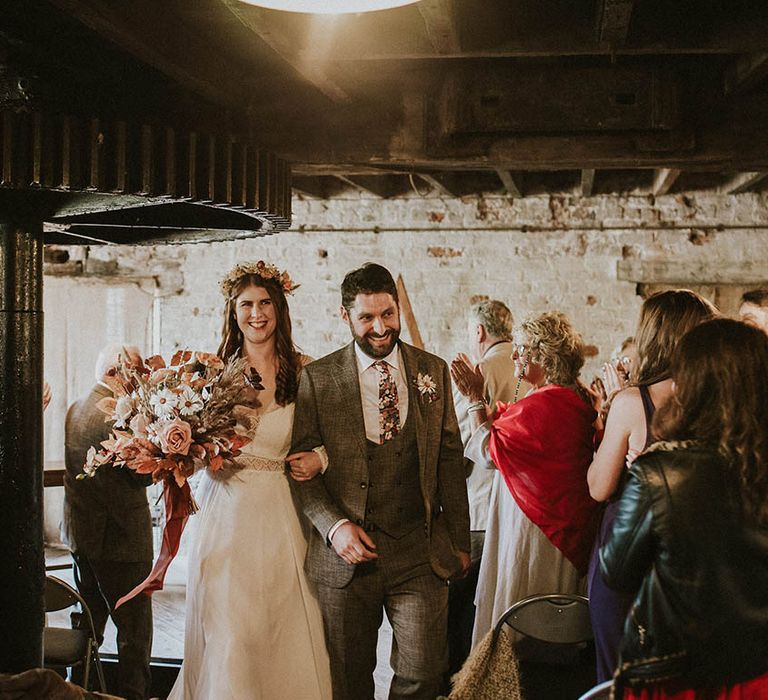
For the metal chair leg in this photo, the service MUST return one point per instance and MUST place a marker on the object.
(86, 671)
(99, 667)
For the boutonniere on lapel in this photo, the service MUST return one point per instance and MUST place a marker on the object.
(426, 387)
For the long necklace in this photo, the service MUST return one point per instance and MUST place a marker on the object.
(521, 375)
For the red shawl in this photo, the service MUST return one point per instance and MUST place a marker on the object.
(543, 447)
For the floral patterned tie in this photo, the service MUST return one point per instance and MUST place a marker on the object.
(389, 414)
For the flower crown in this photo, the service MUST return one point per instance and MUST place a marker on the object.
(262, 269)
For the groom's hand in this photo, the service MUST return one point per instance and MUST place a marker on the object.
(353, 545)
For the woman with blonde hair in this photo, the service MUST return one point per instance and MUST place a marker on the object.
(253, 623)
(542, 445)
(664, 318)
(691, 534)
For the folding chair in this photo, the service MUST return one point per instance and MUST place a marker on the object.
(555, 617)
(65, 647)
(556, 659)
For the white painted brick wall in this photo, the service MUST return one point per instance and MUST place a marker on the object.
(536, 254)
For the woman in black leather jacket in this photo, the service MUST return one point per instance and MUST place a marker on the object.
(692, 528)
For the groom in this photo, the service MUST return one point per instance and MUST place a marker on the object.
(390, 513)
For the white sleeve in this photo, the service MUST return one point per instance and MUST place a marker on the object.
(335, 527)
(476, 448)
(322, 453)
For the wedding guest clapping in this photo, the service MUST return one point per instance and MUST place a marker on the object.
(691, 534)
(664, 318)
(491, 347)
(542, 445)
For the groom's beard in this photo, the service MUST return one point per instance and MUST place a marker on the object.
(379, 350)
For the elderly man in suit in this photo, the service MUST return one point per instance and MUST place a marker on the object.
(110, 532)
(390, 515)
(490, 336)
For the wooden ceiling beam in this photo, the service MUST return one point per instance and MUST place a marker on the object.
(614, 17)
(744, 182)
(263, 24)
(746, 72)
(384, 185)
(663, 180)
(440, 21)
(442, 183)
(155, 39)
(561, 41)
(511, 185)
(320, 186)
(587, 182)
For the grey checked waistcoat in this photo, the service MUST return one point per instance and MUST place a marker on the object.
(395, 504)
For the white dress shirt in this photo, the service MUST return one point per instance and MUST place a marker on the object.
(369, 388)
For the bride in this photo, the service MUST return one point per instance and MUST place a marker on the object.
(253, 625)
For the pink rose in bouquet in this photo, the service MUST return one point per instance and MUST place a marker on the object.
(175, 437)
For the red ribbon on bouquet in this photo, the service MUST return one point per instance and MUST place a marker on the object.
(179, 505)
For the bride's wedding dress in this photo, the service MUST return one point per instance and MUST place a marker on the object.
(253, 628)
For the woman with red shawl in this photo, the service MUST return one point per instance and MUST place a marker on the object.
(543, 446)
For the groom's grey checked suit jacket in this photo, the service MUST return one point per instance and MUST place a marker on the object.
(329, 412)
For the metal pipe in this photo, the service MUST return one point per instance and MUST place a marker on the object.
(22, 559)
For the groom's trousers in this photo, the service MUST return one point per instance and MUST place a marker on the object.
(400, 581)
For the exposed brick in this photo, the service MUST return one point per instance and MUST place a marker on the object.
(535, 253)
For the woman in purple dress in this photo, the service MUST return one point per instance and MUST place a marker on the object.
(664, 318)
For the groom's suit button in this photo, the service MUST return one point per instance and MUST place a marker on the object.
(363, 485)
(359, 521)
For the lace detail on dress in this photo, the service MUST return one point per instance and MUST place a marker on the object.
(262, 464)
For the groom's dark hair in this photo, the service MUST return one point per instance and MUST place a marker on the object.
(368, 279)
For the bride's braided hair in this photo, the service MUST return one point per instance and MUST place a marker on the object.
(289, 358)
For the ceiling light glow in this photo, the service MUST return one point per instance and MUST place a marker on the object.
(329, 7)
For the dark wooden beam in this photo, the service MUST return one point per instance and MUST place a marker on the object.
(734, 146)
(511, 184)
(264, 24)
(746, 35)
(442, 183)
(152, 35)
(384, 185)
(591, 98)
(320, 186)
(746, 72)
(663, 180)
(587, 182)
(440, 22)
(744, 182)
(614, 17)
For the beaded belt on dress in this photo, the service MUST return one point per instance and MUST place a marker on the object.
(262, 464)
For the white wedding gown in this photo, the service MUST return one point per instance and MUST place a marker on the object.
(254, 630)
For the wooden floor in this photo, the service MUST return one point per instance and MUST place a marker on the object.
(168, 617)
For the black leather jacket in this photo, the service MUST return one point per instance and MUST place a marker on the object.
(701, 567)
